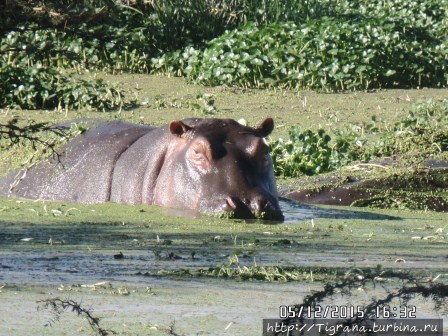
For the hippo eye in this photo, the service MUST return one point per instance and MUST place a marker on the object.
(198, 156)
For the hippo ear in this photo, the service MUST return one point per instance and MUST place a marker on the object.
(265, 128)
(178, 128)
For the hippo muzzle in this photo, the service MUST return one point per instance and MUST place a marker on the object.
(257, 207)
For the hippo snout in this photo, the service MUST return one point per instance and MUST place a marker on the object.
(257, 207)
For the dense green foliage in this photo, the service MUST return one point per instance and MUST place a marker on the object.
(424, 132)
(360, 48)
(323, 45)
(309, 153)
(172, 24)
(109, 35)
(32, 74)
(41, 87)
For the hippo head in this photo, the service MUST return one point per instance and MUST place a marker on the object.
(219, 166)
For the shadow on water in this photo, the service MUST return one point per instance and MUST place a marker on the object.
(295, 211)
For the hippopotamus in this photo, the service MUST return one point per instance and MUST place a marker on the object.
(206, 165)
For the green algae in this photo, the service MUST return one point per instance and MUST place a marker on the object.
(54, 249)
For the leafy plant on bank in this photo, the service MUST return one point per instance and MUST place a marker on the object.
(328, 54)
(114, 36)
(31, 75)
(309, 152)
(175, 23)
(357, 46)
(288, 43)
(38, 87)
(424, 132)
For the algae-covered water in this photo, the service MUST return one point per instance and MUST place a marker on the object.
(138, 267)
(72, 251)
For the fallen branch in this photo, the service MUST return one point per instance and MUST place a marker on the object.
(360, 166)
(59, 306)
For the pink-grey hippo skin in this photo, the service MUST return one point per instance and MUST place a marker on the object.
(205, 165)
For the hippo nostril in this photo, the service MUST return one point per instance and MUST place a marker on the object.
(237, 206)
(263, 207)
(260, 204)
(230, 203)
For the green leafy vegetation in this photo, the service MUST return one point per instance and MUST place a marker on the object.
(38, 87)
(310, 153)
(322, 45)
(422, 134)
(424, 131)
(327, 54)
(32, 74)
(358, 46)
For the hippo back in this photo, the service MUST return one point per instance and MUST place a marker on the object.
(82, 170)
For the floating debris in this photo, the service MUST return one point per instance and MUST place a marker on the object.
(27, 239)
(119, 256)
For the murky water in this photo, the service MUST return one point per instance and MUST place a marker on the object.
(86, 243)
(294, 212)
(34, 261)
